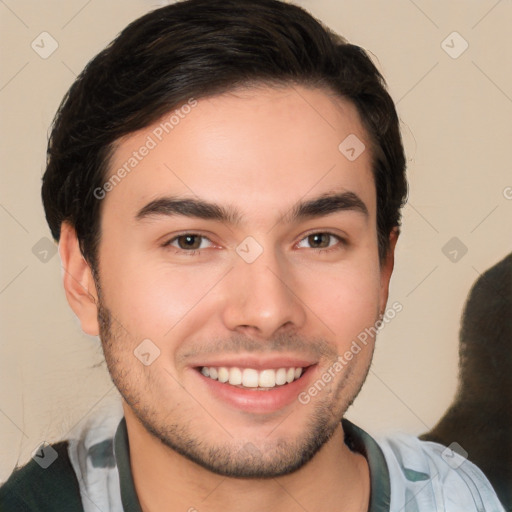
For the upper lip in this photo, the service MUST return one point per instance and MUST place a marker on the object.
(256, 362)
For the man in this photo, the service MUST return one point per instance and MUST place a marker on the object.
(225, 183)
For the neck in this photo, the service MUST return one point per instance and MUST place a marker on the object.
(335, 479)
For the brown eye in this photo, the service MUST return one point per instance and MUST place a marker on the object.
(322, 241)
(319, 240)
(190, 242)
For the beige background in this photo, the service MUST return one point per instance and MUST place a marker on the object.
(456, 116)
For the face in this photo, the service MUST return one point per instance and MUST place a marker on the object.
(238, 260)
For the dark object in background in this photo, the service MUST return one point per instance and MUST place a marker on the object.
(480, 418)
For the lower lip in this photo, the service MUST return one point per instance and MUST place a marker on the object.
(256, 401)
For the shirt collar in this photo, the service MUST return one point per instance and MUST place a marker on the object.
(355, 438)
(122, 453)
(380, 486)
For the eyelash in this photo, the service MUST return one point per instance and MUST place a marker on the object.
(194, 252)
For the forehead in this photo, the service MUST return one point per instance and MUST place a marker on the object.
(253, 148)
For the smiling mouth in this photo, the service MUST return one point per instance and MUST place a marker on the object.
(250, 378)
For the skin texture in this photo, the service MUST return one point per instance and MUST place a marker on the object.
(257, 151)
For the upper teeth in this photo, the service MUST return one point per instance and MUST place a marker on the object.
(251, 378)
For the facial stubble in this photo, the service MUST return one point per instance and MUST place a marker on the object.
(276, 456)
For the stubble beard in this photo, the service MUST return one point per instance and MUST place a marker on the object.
(276, 457)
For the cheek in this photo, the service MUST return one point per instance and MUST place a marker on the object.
(151, 299)
(345, 299)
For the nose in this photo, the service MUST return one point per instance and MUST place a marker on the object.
(262, 298)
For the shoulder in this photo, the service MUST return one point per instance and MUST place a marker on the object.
(43, 486)
(426, 474)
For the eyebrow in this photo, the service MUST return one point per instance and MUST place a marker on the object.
(197, 208)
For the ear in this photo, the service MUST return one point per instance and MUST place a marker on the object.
(78, 281)
(386, 268)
